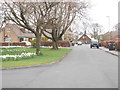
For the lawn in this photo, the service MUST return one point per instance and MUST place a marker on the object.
(48, 56)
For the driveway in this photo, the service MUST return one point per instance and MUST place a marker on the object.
(82, 68)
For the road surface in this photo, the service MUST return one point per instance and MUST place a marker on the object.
(83, 67)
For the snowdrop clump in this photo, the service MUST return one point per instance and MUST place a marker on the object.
(13, 51)
(11, 46)
(16, 57)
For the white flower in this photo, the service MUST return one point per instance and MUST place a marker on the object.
(18, 56)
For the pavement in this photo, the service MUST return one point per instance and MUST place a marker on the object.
(113, 52)
(83, 67)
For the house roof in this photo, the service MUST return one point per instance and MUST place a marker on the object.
(19, 32)
(86, 35)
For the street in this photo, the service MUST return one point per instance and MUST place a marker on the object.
(83, 67)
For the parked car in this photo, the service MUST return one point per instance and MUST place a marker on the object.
(94, 43)
(79, 43)
(27, 43)
(100, 45)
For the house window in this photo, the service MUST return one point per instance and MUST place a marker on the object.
(21, 39)
(29, 39)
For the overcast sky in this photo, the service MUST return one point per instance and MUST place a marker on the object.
(100, 9)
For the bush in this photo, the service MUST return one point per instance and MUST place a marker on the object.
(33, 42)
(46, 43)
(64, 43)
(12, 43)
(61, 43)
(117, 44)
(44, 39)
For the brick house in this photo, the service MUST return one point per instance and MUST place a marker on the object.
(85, 39)
(69, 35)
(13, 33)
(113, 35)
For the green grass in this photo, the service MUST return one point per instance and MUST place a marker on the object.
(48, 56)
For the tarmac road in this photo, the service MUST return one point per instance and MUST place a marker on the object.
(82, 68)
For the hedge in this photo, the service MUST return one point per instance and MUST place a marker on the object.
(117, 45)
(105, 44)
(12, 44)
(65, 43)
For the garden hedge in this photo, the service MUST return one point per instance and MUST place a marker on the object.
(65, 43)
(105, 44)
(12, 44)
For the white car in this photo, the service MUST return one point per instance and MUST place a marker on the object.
(27, 43)
(79, 43)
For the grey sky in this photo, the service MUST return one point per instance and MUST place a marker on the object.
(101, 9)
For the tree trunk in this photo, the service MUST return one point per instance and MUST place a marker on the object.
(55, 45)
(38, 44)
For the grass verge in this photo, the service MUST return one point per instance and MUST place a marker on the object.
(48, 56)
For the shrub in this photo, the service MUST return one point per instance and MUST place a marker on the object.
(61, 43)
(117, 45)
(44, 39)
(33, 42)
(12, 44)
(64, 43)
(46, 43)
(105, 44)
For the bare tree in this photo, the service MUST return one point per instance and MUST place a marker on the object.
(85, 26)
(96, 30)
(29, 15)
(60, 19)
(2, 18)
(117, 26)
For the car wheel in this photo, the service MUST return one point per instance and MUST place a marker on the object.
(97, 47)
